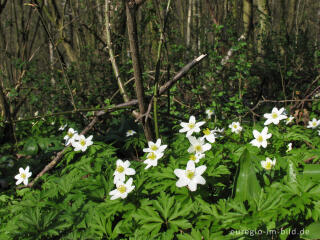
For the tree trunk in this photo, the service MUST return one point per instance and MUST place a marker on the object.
(111, 54)
(133, 41)
(263, 12)
(247, 17)
(6, 115)
(188, 40)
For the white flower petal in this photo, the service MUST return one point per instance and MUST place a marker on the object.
(182, 182)
(192, 186)
(130, 171)
(200, 180)
(200, 170)
(179, 173)
(192, 119)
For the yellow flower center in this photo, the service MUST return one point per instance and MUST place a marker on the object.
(314, 124)
(260, 139)
(235, 126)
(120, 169)
(129, 131)
(23, 175)
(70, 134)
(152, 156)
(189, 174)
(154, 148)
(122, 189)
(206, 131)
(198, 148)
(274, 115)
(82, 142)
(192, 157)
(191, 125)
(268, 166)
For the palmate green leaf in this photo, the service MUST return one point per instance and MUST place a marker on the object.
(179, 224)
(147, 214)
(204, 234)
(218, 171)
(296, 133)
(181, 211)
(165, 212)
(166, 180)
(162, 208)
(247, 185)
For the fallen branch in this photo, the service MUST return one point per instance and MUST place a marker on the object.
(83, 132)
(97, 114)
(178, 76)
(181, 73)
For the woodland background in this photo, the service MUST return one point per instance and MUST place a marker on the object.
(104, 67)
(75, 56)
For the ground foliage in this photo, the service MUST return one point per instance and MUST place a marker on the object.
(240, 199)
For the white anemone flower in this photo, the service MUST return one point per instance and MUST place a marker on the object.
(122, 170)
(313, 124)
(196, 157)
(209, 135)
(209, 113)
(23, 176)
(152, 159)
(275, 116)
(191, 176)
(71, 134)
(82, 143)
(61, 128)
(191, 127)
(289, 119)
(268, 164)
(235, 127)
(122, 189)
(155, 147)
(218, 132)
(197, 145)
(289, 147)
(261, 138)
(130, 133)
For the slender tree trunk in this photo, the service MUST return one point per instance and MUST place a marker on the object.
(133, 41)
(263, 12)
(111, 54)
(188, 40)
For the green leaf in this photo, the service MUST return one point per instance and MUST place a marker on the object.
(312, 231)
(312, 171)
(247, 185)
(30, 147)
(181, 223)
